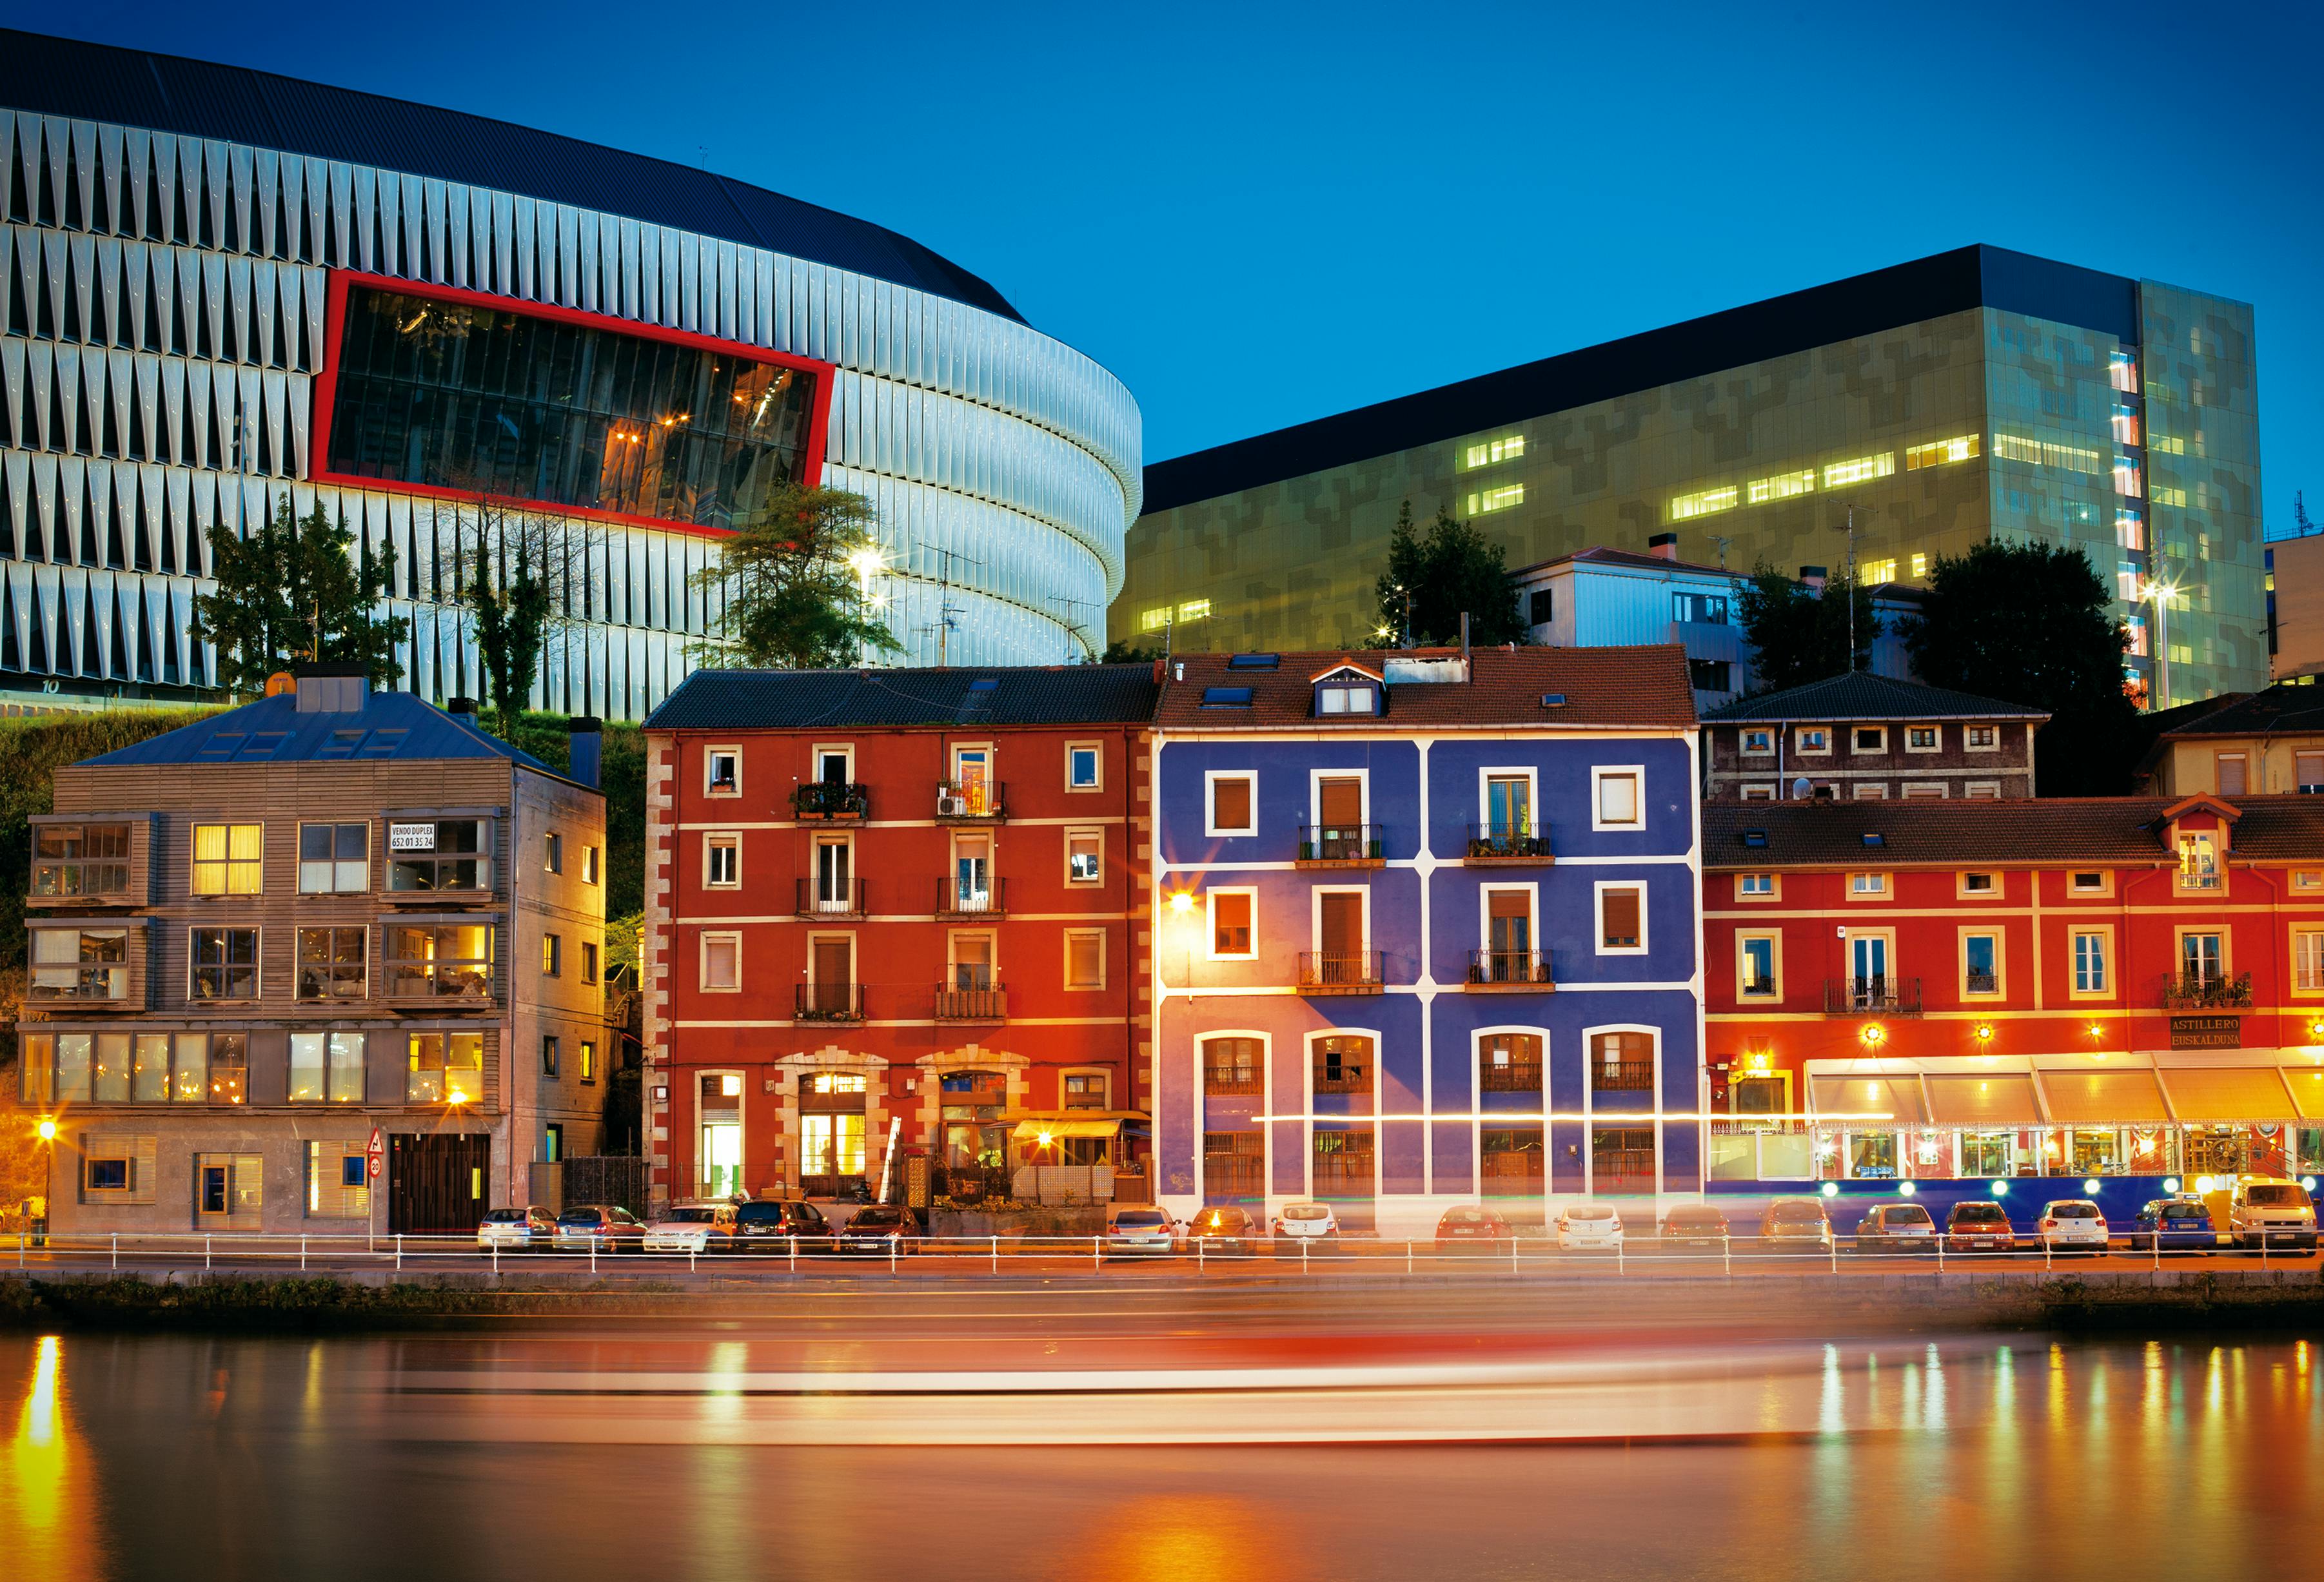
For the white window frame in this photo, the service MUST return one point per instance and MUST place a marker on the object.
(1485, 775)
(2303, 931)
(1598, 775)
(1924, 791)
(1980, 790)
(1767, 748)
(731, 840)
(823, 750)
(701, 961)
(953, 936)
(1067, 973)
(1315, 778)
(1800, 747)
(2104, 934)
(589, 861)
(2308, 878)
(1856, 750)
(1759, 793)
(1936, 742)
(1211, 922)
(1315, 916)
(1078, 832)
(1211, 778)
(1097, 750)
(1968, 739)
(1964, 891)
(1598, 945)
(1742, 963)
(2103, 888)
(1774, 892)
(1533, 914)
(710, 755)
(1882, 892)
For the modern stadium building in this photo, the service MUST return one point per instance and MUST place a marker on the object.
(221, 286)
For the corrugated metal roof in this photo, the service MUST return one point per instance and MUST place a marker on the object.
(391, 726)
(1866, 696)
(200, 98)
(782, 699)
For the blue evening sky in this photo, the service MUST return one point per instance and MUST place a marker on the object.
(1255, 216)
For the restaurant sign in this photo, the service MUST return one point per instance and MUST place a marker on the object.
(2206, 1032)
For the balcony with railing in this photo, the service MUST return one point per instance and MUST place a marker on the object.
(957, 898)
(1872, 997)
(1341, 972)
(829, 897)
(1622, 1076)
(1508, 971)
(1340, 846)
(971, 802)
(1509, 1077)
(1232, 1080)
(1489, 843)
(827, 1002)
(989, 1003)
(831, 802)
(2201, 991)
(1622, 1169)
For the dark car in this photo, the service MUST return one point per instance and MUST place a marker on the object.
(2173, 1225)
(1897, 1228)
(881, 1229)
(1792, 1226)
(771, 1225)
(1225, 1232)
(1473, 1231)
(1979, 1227)
(607, 1226)
(1693, 1227)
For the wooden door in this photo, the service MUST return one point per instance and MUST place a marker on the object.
(1342, 942)
(833, 975)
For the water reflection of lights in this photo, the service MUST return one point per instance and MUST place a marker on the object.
(46, 1511)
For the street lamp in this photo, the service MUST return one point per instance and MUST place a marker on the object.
(2161, 594)
(48, 1131)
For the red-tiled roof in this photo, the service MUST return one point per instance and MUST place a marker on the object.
(1641, 687)
(2046, 831)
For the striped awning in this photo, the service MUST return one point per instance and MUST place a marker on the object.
(2002, 1099)
(1876, 1094)
(2225, 1093)
(2103, 1097)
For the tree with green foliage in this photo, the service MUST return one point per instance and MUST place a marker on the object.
(1797, 635)
(1121, 652)
(1453, 570)
(507, 565)
(2033, 624)
(788, 585)
(298, 589)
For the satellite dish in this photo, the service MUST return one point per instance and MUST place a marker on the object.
(1801, 789)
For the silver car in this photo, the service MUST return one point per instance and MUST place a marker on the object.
(516, 1230)
(1139, 1230)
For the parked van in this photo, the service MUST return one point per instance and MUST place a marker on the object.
(2256, 1207)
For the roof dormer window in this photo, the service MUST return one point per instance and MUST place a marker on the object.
(1346, 689)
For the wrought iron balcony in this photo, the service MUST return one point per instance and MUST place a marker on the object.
(831, 802)
(1622, 1076)
(1341, 972)
(827, 1002)
(1231, 1080)
(1340, 1075)
(1511, 1077)
(958, 897)
(822, 898)
(987, 1004)
(1872, 997)
(971, 802)
(1509, 970)
(1506, 843)
(1340, 846)
(2196, 991)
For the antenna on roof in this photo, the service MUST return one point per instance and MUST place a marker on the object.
(1722, 540)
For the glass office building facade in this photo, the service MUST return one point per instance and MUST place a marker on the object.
(1977, 394)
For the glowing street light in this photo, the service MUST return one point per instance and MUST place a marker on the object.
(1874, 1035)
(1182, 903)
(47, 1130)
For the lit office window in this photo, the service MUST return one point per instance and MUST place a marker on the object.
(1709, 502)
(1493, 500)
(2137, 624)
(1506, 448)
(2122, 370)
(1877, 572)
(2125, 581)
(1919, 566)
(2129, 477)
(2045, 452)
(1861, 469)
(2129, 529)
(1941, 453)
(1783, 486)
(1194, 609)
(2165, 495)
(1154, 619)
(2125, 425)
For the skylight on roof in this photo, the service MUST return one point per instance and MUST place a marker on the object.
(1876, 839)
(1255, 662)
(342, 744)
(1552, 700)
(1754, 837)
(1226, 697)
(382, 743)
(984, 684)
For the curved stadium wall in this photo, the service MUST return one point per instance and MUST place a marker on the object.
(173, 304)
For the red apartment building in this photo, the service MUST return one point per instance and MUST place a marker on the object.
(1938, 990)
(894, 903)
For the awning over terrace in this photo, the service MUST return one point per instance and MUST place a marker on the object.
(2003, 1099)
(2228, 1093)
(1896, 1096)
(2103, 1097)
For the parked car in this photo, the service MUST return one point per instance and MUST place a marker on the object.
(771, 1225)
(1981, 1227)
(2267, 1209)
(1139, 1230)
(1589, 1227)
(1473, 1230)
(2173, 1225)
(883, 1229)
(693, 1228)
(516, 1230)
(1225, 1231)
(2072, 1225)
(1693, 1228)
(1305, 1230)
(1896, 1227)
(1794, 1225)
(607, 1226)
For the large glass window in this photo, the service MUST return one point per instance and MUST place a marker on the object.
(331, 962)
(447, 854)
(80, 963)
(326, 1068)
(225, 963)
(80, 860)
(334, 859)
(487, 400)
(451, 960)
(228, 859)
(445, 1068)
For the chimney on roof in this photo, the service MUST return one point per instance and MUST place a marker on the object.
(585, 750)
(330, 689)
(1812, 576)
(462, 705)
(1662, 546)
(1464, 637)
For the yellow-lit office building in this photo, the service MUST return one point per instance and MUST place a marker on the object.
(1979, 393)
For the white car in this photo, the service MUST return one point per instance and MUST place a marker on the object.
(2271, 1211)
(2072, 1222)
(1589, 1227)
(1306, 1229)
(693, 1228)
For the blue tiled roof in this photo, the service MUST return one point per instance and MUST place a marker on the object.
(391, 726)
(201, 98)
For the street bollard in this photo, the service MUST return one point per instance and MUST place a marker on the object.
(399, 1251)
(689, 1260)
(996, 1255)
(1513, 1252)
(302, 1254)
(206, 1251)
(592, 1253)
(1407, 1258)
(2263, 1249)
(1097, 1252)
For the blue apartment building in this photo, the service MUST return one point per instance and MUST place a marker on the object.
(1426, 930)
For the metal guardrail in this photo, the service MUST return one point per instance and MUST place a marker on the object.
(1340, 846)
(1729, 1257)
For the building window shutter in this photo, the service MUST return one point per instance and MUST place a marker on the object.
(1231, 805)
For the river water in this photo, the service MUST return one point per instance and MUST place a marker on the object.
(1971, 1457)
